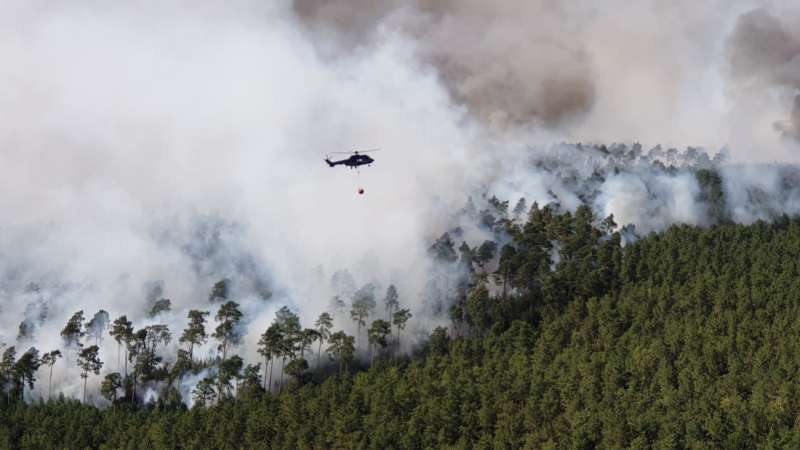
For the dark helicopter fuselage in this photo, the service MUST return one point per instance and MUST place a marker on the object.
(352, 162)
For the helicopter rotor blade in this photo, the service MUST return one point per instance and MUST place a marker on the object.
(356, 151)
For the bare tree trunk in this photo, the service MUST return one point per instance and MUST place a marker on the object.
(271, 366)
(50, 385)
(266, 363)
(85, 379)
(319, 352)
(398, 342)
(219, 376)
(280, 383)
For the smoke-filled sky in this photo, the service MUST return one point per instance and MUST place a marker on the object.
(707, 73)
(183, 140)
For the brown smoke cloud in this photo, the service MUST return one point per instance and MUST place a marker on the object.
(765, 50)
(764, 54)
(497, 58)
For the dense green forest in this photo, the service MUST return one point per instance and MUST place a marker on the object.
(573, 339)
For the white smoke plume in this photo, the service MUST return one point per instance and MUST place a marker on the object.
(182, 142)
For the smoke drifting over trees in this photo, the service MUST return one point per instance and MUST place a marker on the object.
(155, 144)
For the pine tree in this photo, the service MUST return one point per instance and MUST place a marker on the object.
(289, 324)
(307, 337)
(159, 307)
(49, 359)
(362, 306)
(520, 209)
(25, 369)
(298, 370)
(73, 331)
(377, 336)
(269, 347)
(89, 362)
(443, 250)
(391, 301)
(323, 325)
(204, 391)
(251, 385)
(229, 371)
(228, 334)
(122, 332)
(97, 326)
(341, 349)
(479, 305)
(108, 388)
(7, 370)
(220, 291)
(400, 319)
(485, 253)
(195, 332)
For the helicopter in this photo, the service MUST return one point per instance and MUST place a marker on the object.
(355, 160)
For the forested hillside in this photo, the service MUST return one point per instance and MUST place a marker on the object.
(687, 338)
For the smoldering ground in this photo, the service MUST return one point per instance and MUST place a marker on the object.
(182, 142)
